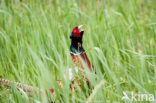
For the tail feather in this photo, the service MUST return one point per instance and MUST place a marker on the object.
(24, 87)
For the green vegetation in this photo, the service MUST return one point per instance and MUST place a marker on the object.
(119, 39)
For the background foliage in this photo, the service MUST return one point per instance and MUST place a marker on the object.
(119, 39)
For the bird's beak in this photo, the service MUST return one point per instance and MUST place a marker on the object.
(79, 27)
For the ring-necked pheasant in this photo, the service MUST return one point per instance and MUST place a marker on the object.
(77, 51)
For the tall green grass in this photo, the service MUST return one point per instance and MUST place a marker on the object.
(119, 39)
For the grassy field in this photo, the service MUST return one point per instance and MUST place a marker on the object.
(119, 39)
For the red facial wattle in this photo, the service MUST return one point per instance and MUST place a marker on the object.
(76, 32)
